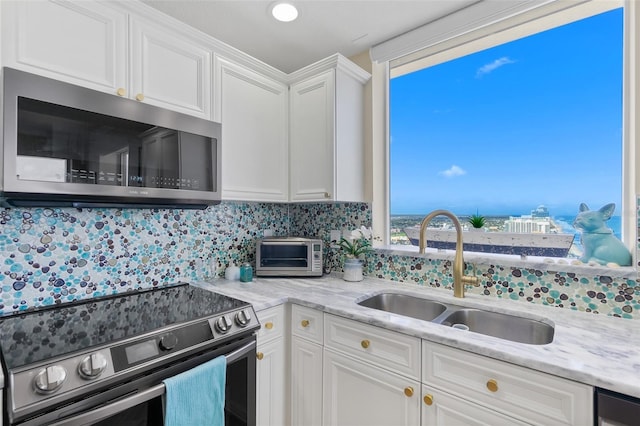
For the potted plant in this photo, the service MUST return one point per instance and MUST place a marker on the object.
(355, 248)
(477, 221)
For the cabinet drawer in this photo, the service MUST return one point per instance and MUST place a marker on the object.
(531, 396)
(272, 323)
(307, 323)
(394, 351)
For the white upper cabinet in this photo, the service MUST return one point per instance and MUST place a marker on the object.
(169, 70)
(312, 130)
(253, 111)
(79, 42)
(90, 44)
(327, 132)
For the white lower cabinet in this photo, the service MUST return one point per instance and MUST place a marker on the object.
(347, 373)
(307, 330)
(504, 389)
(357, 393)
(271, 364)
(443, 409)
(306, 382)
(371, 375)
(270, 391)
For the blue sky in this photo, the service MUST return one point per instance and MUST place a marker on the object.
(535, 121)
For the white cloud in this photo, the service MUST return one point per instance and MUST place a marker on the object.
(492, 66)
(453, 171)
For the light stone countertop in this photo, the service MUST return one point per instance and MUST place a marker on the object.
(589, 348)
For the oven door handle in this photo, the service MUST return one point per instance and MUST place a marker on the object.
(120, 405)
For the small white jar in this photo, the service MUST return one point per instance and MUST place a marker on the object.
(232, 272)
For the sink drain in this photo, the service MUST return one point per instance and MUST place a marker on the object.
(460, 327)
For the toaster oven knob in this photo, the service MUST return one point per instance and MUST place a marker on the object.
(92, 366)
(243, 318)
(49, 380)
(223, 324)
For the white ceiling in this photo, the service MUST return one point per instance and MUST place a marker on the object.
(324, 27)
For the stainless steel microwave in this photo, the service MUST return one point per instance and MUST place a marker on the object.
(289, 256)
(65, 145)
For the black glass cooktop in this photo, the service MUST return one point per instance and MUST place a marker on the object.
(49, 332)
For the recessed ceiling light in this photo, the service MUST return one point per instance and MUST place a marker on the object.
(284, 12)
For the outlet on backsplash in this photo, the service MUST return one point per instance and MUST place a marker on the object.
(335, 237)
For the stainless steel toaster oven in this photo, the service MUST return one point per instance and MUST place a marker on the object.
(289, 256)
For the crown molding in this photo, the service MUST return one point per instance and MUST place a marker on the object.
(336, 61)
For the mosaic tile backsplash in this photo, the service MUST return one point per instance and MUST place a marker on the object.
(55, 255)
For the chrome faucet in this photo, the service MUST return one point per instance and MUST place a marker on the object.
(459, 278)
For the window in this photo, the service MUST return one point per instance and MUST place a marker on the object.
(521, 132)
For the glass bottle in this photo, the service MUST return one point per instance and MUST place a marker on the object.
(246, 273)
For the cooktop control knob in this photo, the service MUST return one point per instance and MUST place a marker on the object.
(243, 318)
(49, 380)
(168, 342)
(92, 366)
(223, 324)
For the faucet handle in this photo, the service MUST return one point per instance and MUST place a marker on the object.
(472, 279)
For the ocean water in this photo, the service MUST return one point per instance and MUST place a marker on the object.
(566, 223)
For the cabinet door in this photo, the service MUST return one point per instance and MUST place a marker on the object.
(306, 382)
(253, 112)
(79, 42)
(534, 397)
(356, 393)
(312, 138)
(169, 70)
(443, 409)
(270, 383)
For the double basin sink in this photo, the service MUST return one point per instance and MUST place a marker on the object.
(503, 326)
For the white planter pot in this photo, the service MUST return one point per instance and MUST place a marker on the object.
(352, 270)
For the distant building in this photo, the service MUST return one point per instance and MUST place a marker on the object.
(538, 222)
(540, 211)
(527, 224)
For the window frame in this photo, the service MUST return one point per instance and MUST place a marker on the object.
(485, 36)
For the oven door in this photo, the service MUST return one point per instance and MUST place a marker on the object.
(139, 403)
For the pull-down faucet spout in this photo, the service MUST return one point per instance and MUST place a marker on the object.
(459, 278)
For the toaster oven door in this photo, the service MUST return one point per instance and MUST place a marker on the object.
(284, 256)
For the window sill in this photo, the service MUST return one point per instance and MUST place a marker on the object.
(546, 264)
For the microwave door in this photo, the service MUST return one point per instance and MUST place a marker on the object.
(114, 168)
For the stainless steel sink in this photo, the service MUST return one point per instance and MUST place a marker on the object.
(503, 326)
(508, 327)
(403, 304)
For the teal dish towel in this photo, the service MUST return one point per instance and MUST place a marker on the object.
(196, 397)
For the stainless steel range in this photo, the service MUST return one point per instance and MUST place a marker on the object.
(102, 361)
